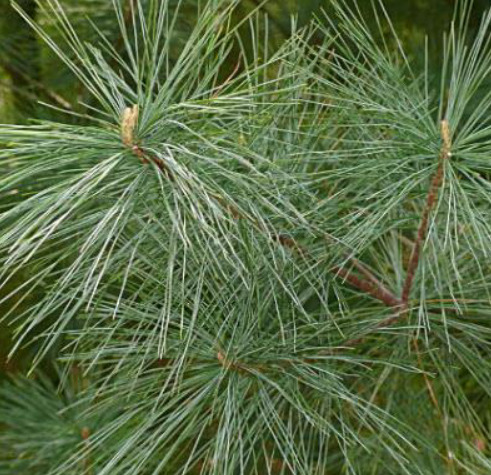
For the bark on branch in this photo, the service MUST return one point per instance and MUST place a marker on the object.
(431, 201)
(402, 308)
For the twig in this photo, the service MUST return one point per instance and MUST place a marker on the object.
(402, 306)
(374, 288)
(431, 201)
(413, 265)
(371, 284)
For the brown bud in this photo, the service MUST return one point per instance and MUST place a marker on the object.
(129, 119)
(85, 433)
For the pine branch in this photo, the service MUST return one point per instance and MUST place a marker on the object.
(401, 306)
(207, 340)
(431, 202)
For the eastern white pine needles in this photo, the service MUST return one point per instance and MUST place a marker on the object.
(282, 269)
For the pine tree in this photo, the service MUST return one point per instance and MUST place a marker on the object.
(281, 268)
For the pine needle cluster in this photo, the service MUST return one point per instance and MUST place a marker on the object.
(284, 269)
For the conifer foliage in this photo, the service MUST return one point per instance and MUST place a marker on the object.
(280, 269)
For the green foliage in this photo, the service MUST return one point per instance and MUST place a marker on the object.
(280, 268)
(44, 425)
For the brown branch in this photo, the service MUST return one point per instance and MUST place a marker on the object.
(402, 305)
(376, 290)
(431, 201)
(361, 267)
(371, 284)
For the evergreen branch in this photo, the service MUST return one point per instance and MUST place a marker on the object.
(402, 305)
(431, 201)
(215, 340)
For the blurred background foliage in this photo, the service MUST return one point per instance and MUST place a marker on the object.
(31, 76)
